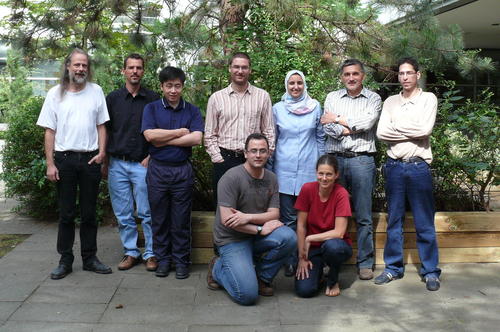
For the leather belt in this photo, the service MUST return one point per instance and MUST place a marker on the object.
(351, 154)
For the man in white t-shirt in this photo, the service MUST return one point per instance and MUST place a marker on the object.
(73, 115)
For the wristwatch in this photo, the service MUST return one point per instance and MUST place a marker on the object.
(337, 118)
(259, 229)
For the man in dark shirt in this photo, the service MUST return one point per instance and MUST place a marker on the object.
(171, 126)
(128, 162)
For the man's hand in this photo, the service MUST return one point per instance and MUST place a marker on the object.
(237, 218)
(303, 268)
(52, 173)
(346, 132)
(328, 118)
(182, 131)
(145, 162)
(270, 226)
(98, 158)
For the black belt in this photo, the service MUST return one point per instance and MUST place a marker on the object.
(125, 157)
(410, 160)
(83, 153)
(351, 154)
(233, 153)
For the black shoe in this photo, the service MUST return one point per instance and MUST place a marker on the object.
(181, 272)
(96, 266)
(432, 283)
(162, 270)
(60, 272)
(289, 270)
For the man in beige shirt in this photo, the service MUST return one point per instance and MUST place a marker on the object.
(405, 125)
(233, 113)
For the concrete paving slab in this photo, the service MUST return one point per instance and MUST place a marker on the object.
(14, 290)
(153, 296)
(57, 312)
(146, 279)
(7, 309)
(148, 314)
(139, 328)
(265, 313)
(234, 328)
(71, 294)
(17, 326)
(80, 278)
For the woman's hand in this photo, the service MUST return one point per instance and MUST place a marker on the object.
(303, 268)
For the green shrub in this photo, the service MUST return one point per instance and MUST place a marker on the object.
(24, 166)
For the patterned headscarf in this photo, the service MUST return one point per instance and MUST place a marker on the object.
(302, 105)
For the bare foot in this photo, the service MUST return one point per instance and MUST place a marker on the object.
(333, 290)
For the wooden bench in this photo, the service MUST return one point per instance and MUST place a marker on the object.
(463, 237)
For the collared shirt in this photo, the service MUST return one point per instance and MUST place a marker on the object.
(74, 117)
(406, 125)
(160, 115)
(300, 141)
(231, 117)
(124, 128)
(362, 113)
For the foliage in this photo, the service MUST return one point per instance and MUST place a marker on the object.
(468, 151)
(24, 160)
(14, 88)
(313, 36)
(24, 166)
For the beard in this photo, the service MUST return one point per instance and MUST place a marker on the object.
(78, 79)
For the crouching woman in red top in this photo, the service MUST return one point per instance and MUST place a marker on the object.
(322, 213)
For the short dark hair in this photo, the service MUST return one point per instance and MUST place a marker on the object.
(409, 60)
(135, 56)
(256, 136)
(240, 55)
(170, 73)
(351, 62)
(330, 160)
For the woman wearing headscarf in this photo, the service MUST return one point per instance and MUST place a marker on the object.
(299, 143)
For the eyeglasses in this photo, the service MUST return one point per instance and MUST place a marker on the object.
(258, 151)
(243, 68)
(406, 73)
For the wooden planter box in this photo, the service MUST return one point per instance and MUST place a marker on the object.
(463, 237)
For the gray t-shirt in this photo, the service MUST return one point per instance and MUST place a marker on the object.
(238, 190)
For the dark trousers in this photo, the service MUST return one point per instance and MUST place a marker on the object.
(170, 192)
(231, 159)
(76, 174)
(333, 253)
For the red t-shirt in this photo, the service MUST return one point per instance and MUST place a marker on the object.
(321, 215)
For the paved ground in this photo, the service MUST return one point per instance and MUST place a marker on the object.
(469, 299)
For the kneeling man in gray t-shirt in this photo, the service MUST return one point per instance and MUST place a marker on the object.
(251, 243)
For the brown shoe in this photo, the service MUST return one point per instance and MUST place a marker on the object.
(265, 289)
(128, 262)
(211, 283)
(151, 264)
(365, 274)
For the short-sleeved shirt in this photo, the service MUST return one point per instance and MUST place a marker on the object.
(237, 189)
(160, 115)
(321, 215)
(124, 128)
(74, 117)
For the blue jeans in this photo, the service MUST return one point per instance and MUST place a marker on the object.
(127, 183)
(333, 253)
(234, 270)
(357, 175)
(412, 182)
(288, 216)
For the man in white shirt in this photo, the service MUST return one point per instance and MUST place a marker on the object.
(73, 115)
